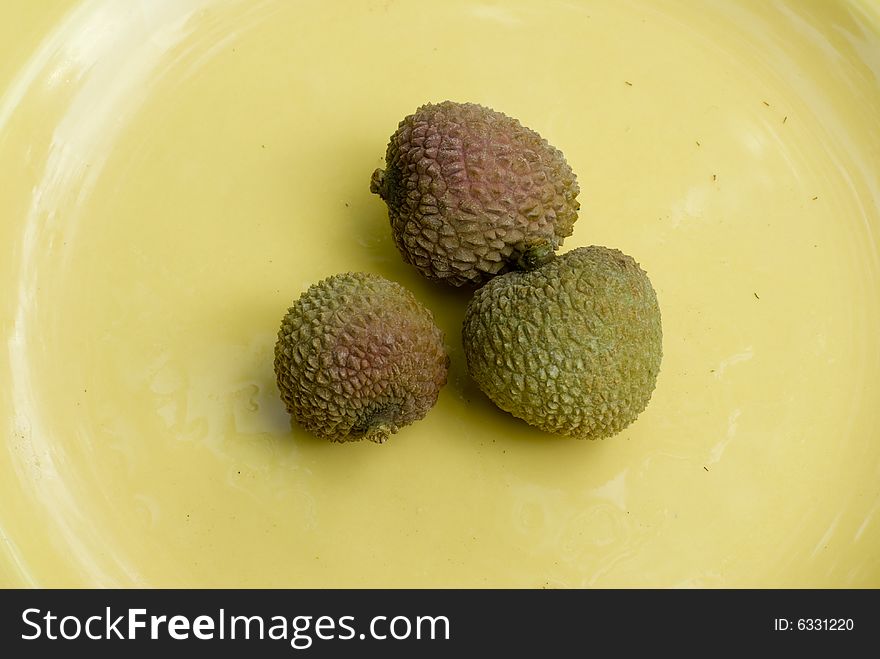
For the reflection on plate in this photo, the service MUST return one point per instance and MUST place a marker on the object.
(178, 172)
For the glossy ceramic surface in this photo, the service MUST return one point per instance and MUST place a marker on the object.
(177, 172)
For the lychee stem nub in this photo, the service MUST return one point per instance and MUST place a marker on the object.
(379, 433)
(377, 183)
(536, 255)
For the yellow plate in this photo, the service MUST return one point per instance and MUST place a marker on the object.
(177, 172)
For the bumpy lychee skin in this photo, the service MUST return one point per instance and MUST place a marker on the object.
(470, 192)
(358, 357)
(572, 347)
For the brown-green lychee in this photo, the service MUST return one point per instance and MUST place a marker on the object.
(358, 357)
(471, 192)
